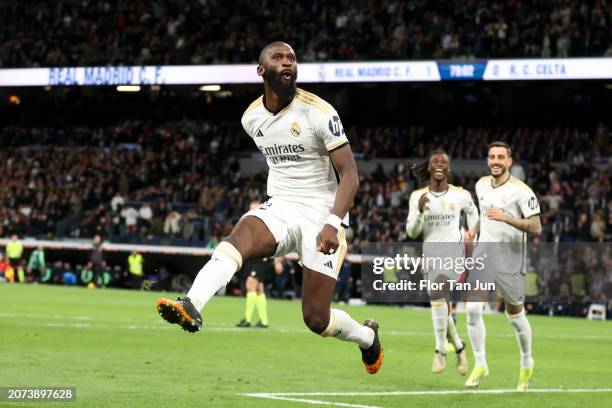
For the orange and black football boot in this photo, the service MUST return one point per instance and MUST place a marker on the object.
(181, 312)
(374, 355)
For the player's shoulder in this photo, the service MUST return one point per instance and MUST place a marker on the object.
(253, 106)
(483, 181)
(520, 185)
(314, 103)
(455, 189)
(419, 192)
(250, 114)
(458, 190)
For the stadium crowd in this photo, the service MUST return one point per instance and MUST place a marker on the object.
(135, 181)
(71, 33)
(181, 184)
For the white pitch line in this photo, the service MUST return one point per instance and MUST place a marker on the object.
(429, 392)
(292, 396)
(308, 401)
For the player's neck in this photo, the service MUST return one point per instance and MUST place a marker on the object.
(501, 179)
(438, 186)
(274, 102)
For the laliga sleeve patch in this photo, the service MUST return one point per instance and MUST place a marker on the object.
(533, 203)
(335, 126)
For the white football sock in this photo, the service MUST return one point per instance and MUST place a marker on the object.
(217, 272)
(452, 334)
(439, 316)
(477, 331)
(342, 326)
(523, 336)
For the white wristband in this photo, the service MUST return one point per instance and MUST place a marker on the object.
(334, 221)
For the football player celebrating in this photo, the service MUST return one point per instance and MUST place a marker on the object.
(304, 143)
(435, 211)
(509, 210)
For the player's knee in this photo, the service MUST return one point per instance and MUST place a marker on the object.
(474, 311)
(226, 250)
(514, 308)
(251, 284)
(240, 244)
(317, 321)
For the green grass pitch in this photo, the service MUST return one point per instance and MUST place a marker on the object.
(115, 349)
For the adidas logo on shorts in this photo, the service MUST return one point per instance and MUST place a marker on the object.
(329, 264)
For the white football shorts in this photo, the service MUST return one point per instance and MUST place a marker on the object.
(295, 226)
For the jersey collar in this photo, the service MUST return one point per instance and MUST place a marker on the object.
(438, 194)
(507, 180)
(280, 112)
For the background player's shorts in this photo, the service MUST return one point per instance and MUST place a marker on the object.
(443, 259)
(260, 269)
(295, 226)
(511, 286)
(505, 265)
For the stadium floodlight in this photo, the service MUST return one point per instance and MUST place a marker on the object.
(210, 88)
(128, 88)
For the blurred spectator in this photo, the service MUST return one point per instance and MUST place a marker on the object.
(14, 251)
(87, 275)
(36, 265)
(213, 242)
(172, 223)
(553, 200)
(284, 271)
(145, 215)
(130, 215)
(6, 270)
(598, 228)
(68, 275)
(343, 286)
(135, 273)
(517, 169)
(117, 202)
(96, 259)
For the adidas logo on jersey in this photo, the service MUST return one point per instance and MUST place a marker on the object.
(329, 264)
(259, 133)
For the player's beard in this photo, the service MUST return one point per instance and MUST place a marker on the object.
(285, 91)
(499, 171)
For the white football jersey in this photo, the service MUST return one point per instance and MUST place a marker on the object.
(441, 220)
(513, 197)
(296, 143)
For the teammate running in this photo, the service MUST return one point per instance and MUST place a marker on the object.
(303, 141)
(435, 211)
(509, 210)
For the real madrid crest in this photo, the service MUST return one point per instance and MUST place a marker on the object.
(296, 129)
(451, 206)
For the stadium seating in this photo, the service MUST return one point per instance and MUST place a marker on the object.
(68, 33)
